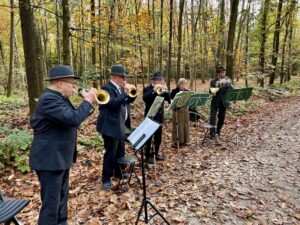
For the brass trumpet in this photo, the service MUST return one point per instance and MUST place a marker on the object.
(161, 89)
(132, 90)
(102, 97)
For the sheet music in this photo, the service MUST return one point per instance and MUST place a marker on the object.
(142, 133)
(155, 106)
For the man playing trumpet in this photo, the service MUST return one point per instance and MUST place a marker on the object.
(111, 123)
(149, 95)
(218, 89)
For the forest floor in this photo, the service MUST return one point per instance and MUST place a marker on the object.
(256, 182)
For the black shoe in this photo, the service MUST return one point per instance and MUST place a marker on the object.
(107, 186)
(159, 157)
(150, 160)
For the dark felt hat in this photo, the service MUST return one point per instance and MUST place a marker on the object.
(59, 72)
(220, 69)
(118, 70)
(157, 75)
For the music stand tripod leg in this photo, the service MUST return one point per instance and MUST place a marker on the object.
(146, 201)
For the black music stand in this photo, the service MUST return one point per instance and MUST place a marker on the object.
(138, 139)
(234, 95)
(197, 100)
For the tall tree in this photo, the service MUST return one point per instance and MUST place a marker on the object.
(66, 33)
(93, 32)
(137, 9)
(161, 34)
(220, 52)
(100, 43)
(11, 49)
(181, 8)
(276, 42)
(57, 19)
(263, 39)
(230, 40)
(30, 36)
(169, 66)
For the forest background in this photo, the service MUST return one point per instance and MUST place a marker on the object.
(182, 38)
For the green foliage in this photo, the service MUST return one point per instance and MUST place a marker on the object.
(14, 148)
(292, 86)
(93, 141)
(12, 101)
(242, 107)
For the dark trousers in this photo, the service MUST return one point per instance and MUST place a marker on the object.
(157, 141)
(114, 149)
(217, 107)
(54, 196)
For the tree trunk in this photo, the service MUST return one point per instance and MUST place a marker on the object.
(100, 45)
(161, 34)
(282, 70)
(137, 8)
(30, 39)
(11, 49)
(247, 41)
(66, 33)
(57, 19)
(108, 52)
(169, 67)
(264, 23)
(276, 43)
(181, 8)
(93, 33)
(230, 41)
(220, 52)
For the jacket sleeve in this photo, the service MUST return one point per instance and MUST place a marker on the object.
(149, 95)
(57, 110)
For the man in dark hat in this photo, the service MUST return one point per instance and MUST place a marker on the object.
(218, 103)
(149, 95)
(111, 124)
(53, 151)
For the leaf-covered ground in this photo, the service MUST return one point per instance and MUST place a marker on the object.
(256, 182)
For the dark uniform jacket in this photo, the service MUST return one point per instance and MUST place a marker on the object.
(149, 96)
(55, 123)
(220, 95)
(111, 119)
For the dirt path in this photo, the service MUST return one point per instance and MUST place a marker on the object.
(257, 183)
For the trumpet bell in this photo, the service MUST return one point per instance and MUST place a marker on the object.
(214, 91)
(102, 97)
(161, 90)
(132, 92)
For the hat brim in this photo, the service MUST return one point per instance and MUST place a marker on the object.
(157, 78)
(118, 74)
(57, 78)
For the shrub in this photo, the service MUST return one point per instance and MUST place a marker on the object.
(14, 148)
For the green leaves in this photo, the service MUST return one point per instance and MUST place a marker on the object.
(14, 148)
